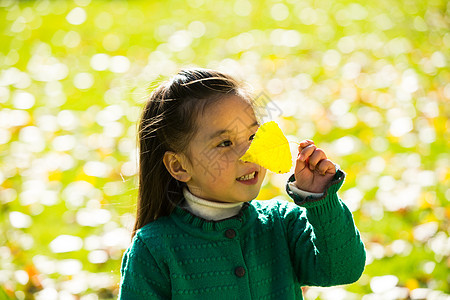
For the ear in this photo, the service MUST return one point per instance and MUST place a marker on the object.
(174, 164)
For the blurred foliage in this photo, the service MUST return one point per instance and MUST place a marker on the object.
(368, 81)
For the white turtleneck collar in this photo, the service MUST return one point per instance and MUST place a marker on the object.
(210, 210)
(214, 211)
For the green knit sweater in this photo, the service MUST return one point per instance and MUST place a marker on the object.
(268, 251)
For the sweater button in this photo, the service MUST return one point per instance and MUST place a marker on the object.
(239, 271)
(230, 233)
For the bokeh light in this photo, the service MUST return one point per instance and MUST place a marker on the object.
(368, 82)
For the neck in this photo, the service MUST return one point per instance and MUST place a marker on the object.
(210, 210)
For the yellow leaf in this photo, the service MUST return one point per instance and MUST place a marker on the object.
(270, 149)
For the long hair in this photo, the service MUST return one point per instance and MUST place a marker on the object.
(168, 122)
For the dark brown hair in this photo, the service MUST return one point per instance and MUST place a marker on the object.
(168, 122)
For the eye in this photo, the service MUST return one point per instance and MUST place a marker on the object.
(226, 143)
(251, 137)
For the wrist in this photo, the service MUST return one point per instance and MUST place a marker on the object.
(329, 191)
(301, 192)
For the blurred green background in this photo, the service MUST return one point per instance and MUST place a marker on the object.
(368, 81)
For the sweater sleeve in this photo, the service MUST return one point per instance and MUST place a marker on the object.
(141, 277)
(326, 247)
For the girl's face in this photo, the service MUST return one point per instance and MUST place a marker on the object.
(225, 130)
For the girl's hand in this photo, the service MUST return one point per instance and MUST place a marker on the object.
(313, 171)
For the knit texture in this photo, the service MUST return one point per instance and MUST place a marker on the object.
(268, 251)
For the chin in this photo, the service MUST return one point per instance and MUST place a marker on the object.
(252, 196)
(248, 200)
(247, 197)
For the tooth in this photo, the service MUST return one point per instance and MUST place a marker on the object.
(248, 176)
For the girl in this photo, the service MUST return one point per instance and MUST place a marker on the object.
(199, 234)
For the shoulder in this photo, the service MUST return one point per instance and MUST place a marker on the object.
(154, 235)
(157, 227)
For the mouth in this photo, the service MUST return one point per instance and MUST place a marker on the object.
(250, 178)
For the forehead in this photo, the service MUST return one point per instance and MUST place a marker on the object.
(232, 113)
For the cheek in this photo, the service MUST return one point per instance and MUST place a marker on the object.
(262, 174)
(222, 160)
(230, 157)
(206, 159)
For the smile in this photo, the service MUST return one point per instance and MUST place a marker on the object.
(247, 177)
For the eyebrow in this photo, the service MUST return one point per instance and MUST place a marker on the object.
(220, 132)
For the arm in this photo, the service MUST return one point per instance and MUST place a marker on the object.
(141, 276)
(326, 248)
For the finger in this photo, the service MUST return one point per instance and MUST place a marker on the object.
(306, 152)
(326, 166)
(316, 157)
(304, 144)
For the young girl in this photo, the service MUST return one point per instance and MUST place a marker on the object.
(199, 234)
